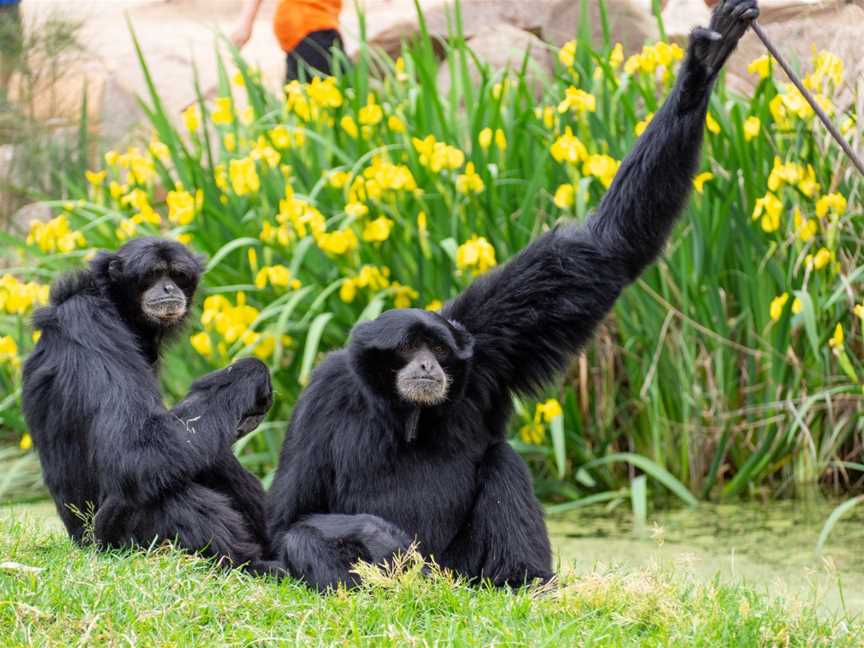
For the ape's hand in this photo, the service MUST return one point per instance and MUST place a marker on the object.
(729, 20)
(243, 387)
(260, 393)
(249, 424)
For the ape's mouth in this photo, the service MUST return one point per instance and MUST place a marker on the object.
(423, 389)
(168, 309)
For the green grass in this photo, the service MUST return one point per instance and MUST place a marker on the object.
(52, 593)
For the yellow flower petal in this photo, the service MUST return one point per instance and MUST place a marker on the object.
(700, 180)
(775, 310)
(836, 341)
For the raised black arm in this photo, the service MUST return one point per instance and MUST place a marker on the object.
(530, 315)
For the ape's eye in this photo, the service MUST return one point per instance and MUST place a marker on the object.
(439, 349)
(151, 278)
(181, 279)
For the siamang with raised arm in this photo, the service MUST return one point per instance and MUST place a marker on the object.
(408, 422)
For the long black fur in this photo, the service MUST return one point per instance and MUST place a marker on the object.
(448, 477)
(105, 440)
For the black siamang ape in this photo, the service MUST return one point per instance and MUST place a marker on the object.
(408, 422)
(106, 442)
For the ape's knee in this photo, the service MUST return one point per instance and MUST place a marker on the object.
(318, 563)
(110, 524)
(377, 538)
(322, 550)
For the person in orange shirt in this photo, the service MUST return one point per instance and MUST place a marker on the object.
(307, 30)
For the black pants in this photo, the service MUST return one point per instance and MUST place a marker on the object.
(315, 52)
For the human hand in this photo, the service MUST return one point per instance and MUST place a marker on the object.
(241, 34)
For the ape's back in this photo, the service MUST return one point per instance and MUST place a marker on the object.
(58, 425)
(66, 379)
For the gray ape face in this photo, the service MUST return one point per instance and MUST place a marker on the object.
(164, 302)
(422, 380)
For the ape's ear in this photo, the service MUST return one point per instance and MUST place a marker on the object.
(115, 268)
(201, 260)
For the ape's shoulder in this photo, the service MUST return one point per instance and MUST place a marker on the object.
(81, 326)
(73, 291)
(68, 285)
(333, 394)
(334, 372)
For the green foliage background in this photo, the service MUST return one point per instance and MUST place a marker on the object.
(696, 385)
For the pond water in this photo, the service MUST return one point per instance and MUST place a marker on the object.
(769, 546)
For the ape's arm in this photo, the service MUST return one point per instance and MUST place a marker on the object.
(651, 187)
(530, 315)
(144, 451)
(307, 540)
(299, 486)
(504, 538)
(311, 543)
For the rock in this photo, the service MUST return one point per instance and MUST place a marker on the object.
(775, 10)
(681, 16)
(391, 38)
(112, 111)
(478, 15)
(119, 112)
(7, 157)
(501, 46)
(835, 28)
(19, 223)
(28, 167)
(388, 32)
(630, 22)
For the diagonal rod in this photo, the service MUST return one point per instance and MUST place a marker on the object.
(757, 28)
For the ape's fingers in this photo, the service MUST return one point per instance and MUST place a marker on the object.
(732, 28)
(743, 9)
(707, 34)
(725, 17)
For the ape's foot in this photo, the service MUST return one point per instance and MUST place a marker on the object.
(265, 568)
(729, 21)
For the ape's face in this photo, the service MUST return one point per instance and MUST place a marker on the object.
(422, 380)
(164, 302)
(153, 282)
(412, 358)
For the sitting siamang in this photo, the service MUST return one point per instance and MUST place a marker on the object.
(106, 442)
(408, 422)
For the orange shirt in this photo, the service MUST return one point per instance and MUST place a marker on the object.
(296, 18)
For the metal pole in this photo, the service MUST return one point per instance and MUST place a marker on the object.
(806, 93)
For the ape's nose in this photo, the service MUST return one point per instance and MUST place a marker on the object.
(170, 287)
(426, 365)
